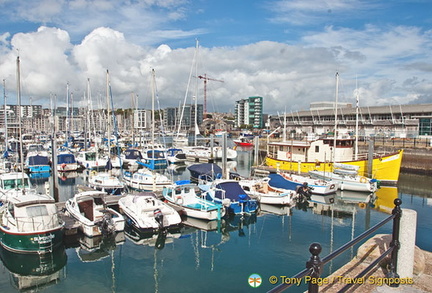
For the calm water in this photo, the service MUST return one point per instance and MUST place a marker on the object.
(275, 242)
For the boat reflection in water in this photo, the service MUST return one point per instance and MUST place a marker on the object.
(96, 248)
(35, 271)
(275, 209)
(156, 240)
(383, 199)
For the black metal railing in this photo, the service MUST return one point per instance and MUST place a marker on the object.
(314, 266)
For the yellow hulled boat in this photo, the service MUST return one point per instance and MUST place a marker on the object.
(319, 155)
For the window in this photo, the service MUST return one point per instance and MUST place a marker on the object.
(37, 211)
(317, 149)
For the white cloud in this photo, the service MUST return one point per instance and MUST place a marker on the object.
(386, 61)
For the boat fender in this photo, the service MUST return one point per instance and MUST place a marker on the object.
(226, 202)
(179, 200)
(288, 155)
(363, 179)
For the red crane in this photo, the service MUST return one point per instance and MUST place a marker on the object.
(205, 78)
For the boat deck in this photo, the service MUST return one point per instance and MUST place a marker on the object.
(72, 225)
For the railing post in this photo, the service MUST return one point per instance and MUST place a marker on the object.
(392, 269)
(315, 265)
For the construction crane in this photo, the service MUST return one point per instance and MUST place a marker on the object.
(205, 78)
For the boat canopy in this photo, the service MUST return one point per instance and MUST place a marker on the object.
(132, 154)
(66, 159)
(209, 170)
(38, 160)
(232, 189)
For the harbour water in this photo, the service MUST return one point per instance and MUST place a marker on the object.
(217, 258)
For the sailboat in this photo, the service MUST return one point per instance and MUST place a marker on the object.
(319, 154)
(29, 221)
(154, 156)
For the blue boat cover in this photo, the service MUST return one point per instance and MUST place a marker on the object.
(209, 170)
(233, 191)
(65, 159)
(133, 154)
(38, 160)
(278, 181)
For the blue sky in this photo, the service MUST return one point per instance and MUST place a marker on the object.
(285, 51)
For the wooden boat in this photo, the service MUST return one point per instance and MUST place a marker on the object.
(282, 180)
(183, 194)
(94, 217)
(29, 221)
(146, 213)
(317, 155)
(265, 194)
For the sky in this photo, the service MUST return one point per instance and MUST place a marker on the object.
(286, 51)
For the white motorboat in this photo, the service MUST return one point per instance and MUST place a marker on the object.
(94, 217)
(146, 213)
(146, 180)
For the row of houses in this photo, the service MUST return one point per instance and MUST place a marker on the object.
(387, 121)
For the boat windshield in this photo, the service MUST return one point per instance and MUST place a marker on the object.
(90, 156)
(66, 159)
(37, 211)
(15, 183)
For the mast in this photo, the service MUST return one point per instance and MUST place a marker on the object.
(108, 114)
(153, 106)
(67, 116)
(5, 117)
(18, 73)
(356, 125)
(335, 117)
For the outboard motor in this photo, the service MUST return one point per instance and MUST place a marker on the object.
(107, 225)
(158, 217)
(304, 191)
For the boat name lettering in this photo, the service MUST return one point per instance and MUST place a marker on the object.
(43, 239)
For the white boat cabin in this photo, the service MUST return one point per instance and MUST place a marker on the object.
(320, 150)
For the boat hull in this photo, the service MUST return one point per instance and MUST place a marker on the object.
(384, 168)
(36, 242)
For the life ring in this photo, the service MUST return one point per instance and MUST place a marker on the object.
(332, 186)
(288, 155)
(179, 200)
(362, 205)
(93, 173)
(363, 179)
